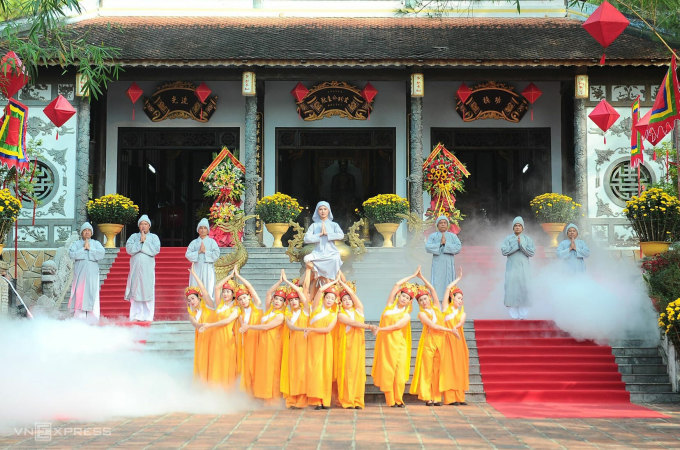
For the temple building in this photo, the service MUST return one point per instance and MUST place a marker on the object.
(289, 85)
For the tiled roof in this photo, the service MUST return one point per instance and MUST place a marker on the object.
(362, 42)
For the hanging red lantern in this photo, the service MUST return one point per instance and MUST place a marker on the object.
(202, 92)
(299, 92)
(604, 115)
(531, 93)
(463, 93)
(13, 74)
(369, 92)
(59, 111)
(133, 93)
(605, 24)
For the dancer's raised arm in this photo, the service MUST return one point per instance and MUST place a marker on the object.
(303, 297)
(221, 283)
(271, 290)
(251, 289)
(397, 286)
(447, 293)
(433, 292)
(320, 293)
(209, 302)
(355, 298)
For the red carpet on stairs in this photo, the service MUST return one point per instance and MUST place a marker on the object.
(172, 276)
(530, 368)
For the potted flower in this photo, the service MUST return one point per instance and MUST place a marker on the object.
(655, 217)
(669, 322)
(110, 213)
(662, 276)
(276, 211)
(9, 211)
(554, 211)
(383, 210)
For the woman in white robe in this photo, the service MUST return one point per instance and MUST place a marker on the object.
(325, 259)
(518, 248)
(140, 290)
(86, 254)
(203, 252)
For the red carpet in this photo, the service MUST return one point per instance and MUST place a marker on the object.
(530, 368)
(172, 276)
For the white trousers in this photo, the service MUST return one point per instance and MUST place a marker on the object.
(519, 312)
(142, 310)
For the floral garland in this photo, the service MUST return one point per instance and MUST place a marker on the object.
(225, 182)
(441, 179)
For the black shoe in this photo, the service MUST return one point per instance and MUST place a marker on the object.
(429, 403)
(393, 406)
(318, 407)
(400, 405)
(454, 403)
(358, 407)
(437, 403)
(462, 403)
(325, 407)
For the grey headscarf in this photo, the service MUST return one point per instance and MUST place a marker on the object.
(203, 223)
(442, 217)
(144, 218)
(86, 226)
(518, 220)
(571, 225)
(316, 217)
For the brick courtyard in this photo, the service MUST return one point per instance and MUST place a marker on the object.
(376, 427)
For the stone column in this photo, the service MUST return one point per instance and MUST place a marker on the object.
(251, 178)
(580, 154)
(82, 161)
(415, 178)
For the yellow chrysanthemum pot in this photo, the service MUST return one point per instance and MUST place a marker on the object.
(651, 248)
(110, 230)
(387, 230)
(277, 230)
(553, 229)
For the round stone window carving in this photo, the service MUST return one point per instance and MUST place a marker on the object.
(620, 180)
(45, 184)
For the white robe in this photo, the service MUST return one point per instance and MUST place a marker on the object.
(85, 287)
(141, 281)
(326, 256)
(204, 263)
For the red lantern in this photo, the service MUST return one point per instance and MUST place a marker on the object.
(463, 93)
(13, 76)
(59, 111)
(369, 92)
(299, 92)
(133, 93)
(605, 24)
(604, 115)
(202, 92)
(531, 93)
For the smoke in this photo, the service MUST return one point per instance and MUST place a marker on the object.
(68, 370)
(607, 303)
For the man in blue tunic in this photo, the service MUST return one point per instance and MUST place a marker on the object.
(573, 250)
(203, 252)
(518, 248)
(141, 284)
(86, 254)
(443, 245)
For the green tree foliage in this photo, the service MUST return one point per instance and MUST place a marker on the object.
(662, 15)
(37, 32)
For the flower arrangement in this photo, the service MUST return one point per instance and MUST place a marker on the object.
(225, 182)
(112, 208)
(9, 211)
(654, 215)
(662, 276)
(555, 208)
(384, 208)
(669, 322)
(442, 175)
(278, 208)
(222, 213)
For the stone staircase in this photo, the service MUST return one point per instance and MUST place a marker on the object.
(644, 372)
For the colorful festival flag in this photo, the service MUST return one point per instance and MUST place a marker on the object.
(13, 127)
(666, 107)
(636, 146)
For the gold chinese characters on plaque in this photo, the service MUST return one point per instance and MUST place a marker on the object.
(334, 98)
(178, 100)
(493, 100)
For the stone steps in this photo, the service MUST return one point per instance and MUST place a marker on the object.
(644, 372)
